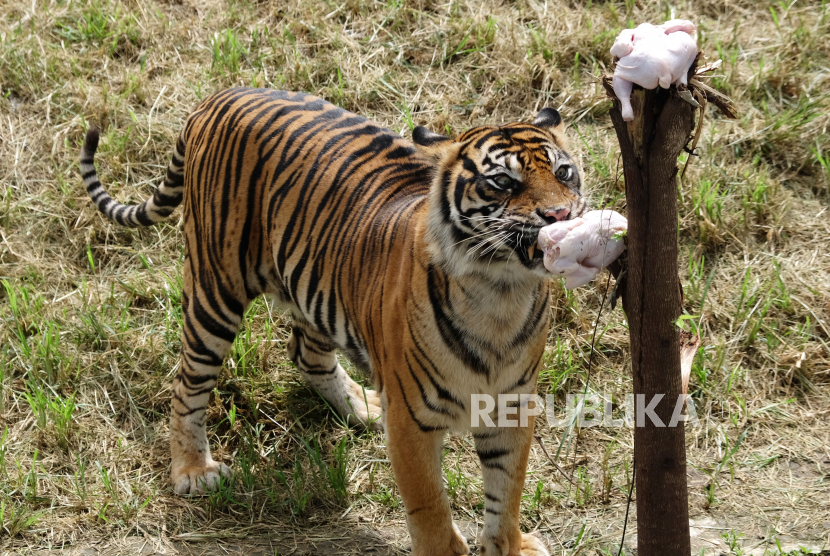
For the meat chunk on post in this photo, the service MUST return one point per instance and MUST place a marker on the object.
(652, 55)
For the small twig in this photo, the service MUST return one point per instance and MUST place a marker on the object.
(701, 98)
(708, 67)
(9, 246)
(539, 440)
(150, 120)
(590, 362)
(717, 98)
(628, 505)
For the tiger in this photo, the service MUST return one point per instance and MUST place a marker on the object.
(418, 262)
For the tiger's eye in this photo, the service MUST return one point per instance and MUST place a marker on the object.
(503, 180)
(563, 173)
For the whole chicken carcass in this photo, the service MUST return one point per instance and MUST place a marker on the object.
(578, 249)
(650, 56)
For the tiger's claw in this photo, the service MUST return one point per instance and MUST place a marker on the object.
(196, 480)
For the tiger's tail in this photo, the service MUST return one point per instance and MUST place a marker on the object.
(152, 211)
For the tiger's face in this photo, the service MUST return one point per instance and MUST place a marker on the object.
(494, 189)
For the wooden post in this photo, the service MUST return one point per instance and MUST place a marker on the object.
(650, 145)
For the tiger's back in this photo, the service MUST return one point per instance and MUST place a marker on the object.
(289, 195)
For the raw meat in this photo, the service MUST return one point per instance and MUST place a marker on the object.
(650, 56)
(578, 249)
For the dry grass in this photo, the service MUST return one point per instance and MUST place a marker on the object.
(90, 312)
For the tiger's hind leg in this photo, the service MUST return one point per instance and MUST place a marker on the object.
(211, 322)
(314, 355)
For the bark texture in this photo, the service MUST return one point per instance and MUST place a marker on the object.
(651, 297)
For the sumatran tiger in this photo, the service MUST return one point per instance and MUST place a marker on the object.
(418, 262)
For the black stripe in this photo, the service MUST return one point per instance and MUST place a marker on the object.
(487, 455)
(423, 427)
(142, 217)
(427, 402)
(162, 200)
(451, 334)
(190, 411)
(210, 324)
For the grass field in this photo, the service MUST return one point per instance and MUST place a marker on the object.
(90, 313)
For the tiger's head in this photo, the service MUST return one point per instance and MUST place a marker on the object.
(494, 188)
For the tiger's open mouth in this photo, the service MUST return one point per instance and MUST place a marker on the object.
(530, 250)
(535, 252)
(523, 237)
(524, 242)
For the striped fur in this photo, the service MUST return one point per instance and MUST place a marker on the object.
(152, 211)
(417, 262)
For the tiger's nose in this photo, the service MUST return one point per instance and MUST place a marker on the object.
(552, 215)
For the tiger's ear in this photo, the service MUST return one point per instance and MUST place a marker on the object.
(549, 119)
(432, 145)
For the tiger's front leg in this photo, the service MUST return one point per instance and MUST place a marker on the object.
(415, 452)
(503, 452)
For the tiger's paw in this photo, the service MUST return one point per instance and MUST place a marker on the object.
(197, 479)
(496, 546)
(533, 546)
(440, 543)
(364, 407)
